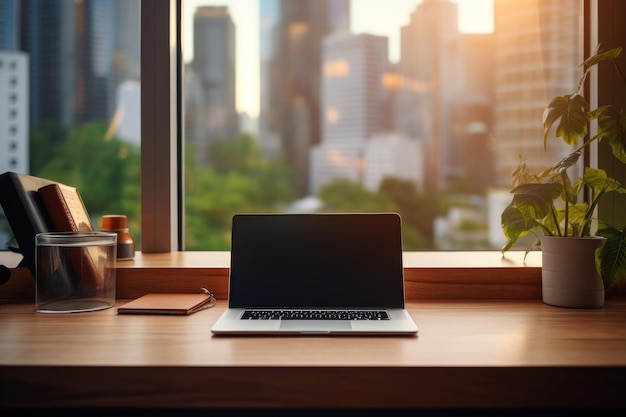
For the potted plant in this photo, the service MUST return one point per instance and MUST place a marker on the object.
(559, 211)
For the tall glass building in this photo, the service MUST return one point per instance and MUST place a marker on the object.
(292, 33)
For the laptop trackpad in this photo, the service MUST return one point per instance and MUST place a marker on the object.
(315, 325)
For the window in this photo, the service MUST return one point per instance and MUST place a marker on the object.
(70, 100)
(171, 195)
(523, 111)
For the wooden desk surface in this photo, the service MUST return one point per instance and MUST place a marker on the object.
(507, 353)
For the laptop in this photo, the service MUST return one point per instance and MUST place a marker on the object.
(316, 274)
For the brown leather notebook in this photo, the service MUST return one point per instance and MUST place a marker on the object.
(178, 304)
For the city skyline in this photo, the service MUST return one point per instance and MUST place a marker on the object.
(367, 16)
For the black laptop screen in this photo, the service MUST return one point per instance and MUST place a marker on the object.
(316, 260)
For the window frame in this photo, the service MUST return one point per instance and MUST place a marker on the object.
(162, 148)
(611, 33)
(162, 215)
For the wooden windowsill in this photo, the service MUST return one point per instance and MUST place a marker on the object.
(428, 275)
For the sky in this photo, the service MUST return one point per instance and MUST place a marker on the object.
(367, 16)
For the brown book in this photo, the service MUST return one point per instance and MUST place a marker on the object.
(67, 213)
(178, 304)
(66, 208)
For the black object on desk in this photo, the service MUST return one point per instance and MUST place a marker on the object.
(24, 212)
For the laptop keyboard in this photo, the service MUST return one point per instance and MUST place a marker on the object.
(315, 315)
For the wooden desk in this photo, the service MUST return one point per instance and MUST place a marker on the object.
(468, 354)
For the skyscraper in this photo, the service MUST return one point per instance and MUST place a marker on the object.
(352, 92)
(470, 156)
(9, 12)
(269, 136)
(71, 47)
(96, 80)
(127, 46)
(429, 58)
(14, 112)
(14, 96)
(291, 45)
(537, 58)
(49, 37)
(213, 69)
(352, 105)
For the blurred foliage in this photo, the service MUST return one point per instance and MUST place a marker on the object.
(240, 180)
(417, 210)
(106, 170)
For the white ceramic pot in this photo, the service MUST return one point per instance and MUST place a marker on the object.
(569, 275)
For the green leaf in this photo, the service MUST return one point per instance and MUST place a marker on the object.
(595, 59)
(572, 112)
(535, 201)
(577, 218)
(566, 162)
(558, 174)
(612, 125)
(612, 256)
(597, 179)
(554, 111)
(513, 223)
(515, 226)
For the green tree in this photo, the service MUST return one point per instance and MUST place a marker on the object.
(241, 154)
(211, 201)
(104, 169)
(240, 180)
(418, 210)
(394, 195)
(276, 180)
(45, 144)
(343, 195)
